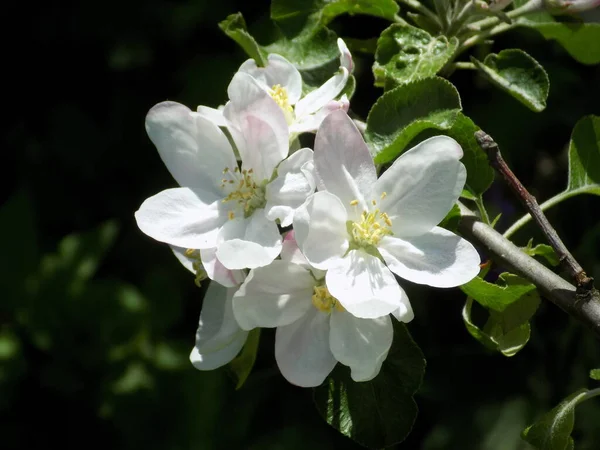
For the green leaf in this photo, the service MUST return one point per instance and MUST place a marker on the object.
(553, 430)
(479, 172)
(467, 195)
(402, 113)
(498, 297)
(507, 331)
(406, 53)
(242, 364)
(595, 374)
(381, 412)
(450, 222)
(518, 74)
(235, 27)
(306, 17)
(543, 250)
(579, 39)
(584, 157)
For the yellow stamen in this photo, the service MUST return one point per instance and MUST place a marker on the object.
(231, 215)
(383, 195)
(354, 203)
(324, 301)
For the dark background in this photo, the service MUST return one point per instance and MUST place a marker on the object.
(97, 320)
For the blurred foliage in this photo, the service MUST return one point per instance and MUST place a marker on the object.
(97, 321)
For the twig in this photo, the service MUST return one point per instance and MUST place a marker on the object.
(584, 283)
(583, 307)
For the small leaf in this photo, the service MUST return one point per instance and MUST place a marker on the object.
(242, 364)
(450, 222)
(553, 430)
(473, 329)
(518, 74)
(406, 53)
(595, 374)
(402, 113)
(306, 17)
(584, 157)
(467, 195)
(234, 26)
(498, 297)
(381, 412)
(543, 250)
(579, 39)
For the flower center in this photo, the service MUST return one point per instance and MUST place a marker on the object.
(371, 227)
(243, 193)
(324, 301)
(201, 274)
(280, 95)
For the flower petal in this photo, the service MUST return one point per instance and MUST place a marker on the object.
(311, 122)
(290, 251)
(214, 115)
(219, 338)
(422, 185)
(290, 189)
(188, 218)
(248, 243)
(437, 258)
(217, 271)
(364, 286)
(186, 262)
(278, 71)
(318, 98)
(320, 225)
(193, 148)
(345, 56)
(343, 164)
(361, 344)
(302, 349)
(272, 296)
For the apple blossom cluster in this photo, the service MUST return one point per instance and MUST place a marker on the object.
(328, 285)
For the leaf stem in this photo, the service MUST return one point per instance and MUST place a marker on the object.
(590, 394)
(464, 65)
(584, 283)
(482, 211)
(529, 7)
(418, 6)
(558, 198)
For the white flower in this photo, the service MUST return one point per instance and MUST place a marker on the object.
(220, 206)
(219, 338)
(361, 229)
(204, 264)
(282, 81)
(313, 331)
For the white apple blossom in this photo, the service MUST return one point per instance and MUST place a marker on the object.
(314, 332)
(283, 82)
(361, 229)
(220, 206)
(204, 264)
(219, 338)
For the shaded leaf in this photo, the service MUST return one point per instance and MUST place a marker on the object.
(473, 329)
(406, 53)
(306, 17)
(381, 412)
(543, 250)
(402, 113)
(595, 374)
(242, 364)
(584, 157)
(234, 26)
(553, 430)
(496, 296)
(518, 74)
(450, 222)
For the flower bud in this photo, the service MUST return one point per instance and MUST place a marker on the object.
(570, 6)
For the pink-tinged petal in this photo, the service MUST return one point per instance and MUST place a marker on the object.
(318, 98)
(438, 258)
(302, 350)
(364, 286)
(311, 122)
(219, 338)
(343, 164)
(217, 271)
(188, 218)
(361, 344)
(422, 186)
(320, 225)
(345, 56)
(248, 243)
(291, 253)
(193, 148)
(290, 189)
(279, 71)
(273, 296)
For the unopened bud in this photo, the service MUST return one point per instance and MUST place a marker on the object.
(570, 6)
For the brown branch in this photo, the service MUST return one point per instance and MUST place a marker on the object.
(585, 307)
(584, 283)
